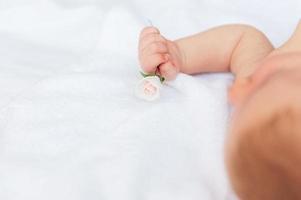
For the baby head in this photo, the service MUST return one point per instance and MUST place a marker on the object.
(263, 151)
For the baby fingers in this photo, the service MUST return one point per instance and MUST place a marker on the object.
(149, 39)
(168, 70)
(150, 63)
(155, 47)
(148, 30)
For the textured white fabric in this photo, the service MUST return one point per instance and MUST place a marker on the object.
(70, 125)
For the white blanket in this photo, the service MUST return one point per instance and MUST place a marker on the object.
(70, 126)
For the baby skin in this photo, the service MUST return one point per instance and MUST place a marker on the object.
(263, 146)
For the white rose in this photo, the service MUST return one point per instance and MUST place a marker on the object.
(148, 88)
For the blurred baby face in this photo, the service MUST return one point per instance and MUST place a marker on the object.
(275, 85)
(261, 129)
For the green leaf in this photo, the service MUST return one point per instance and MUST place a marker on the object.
(144, 75)
(162, 79)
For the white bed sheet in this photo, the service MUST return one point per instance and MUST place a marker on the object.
(70, 126)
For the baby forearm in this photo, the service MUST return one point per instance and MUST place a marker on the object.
(234, 48)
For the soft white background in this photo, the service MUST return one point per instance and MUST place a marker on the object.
(70, 126)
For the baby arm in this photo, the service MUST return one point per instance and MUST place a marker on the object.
(233, 48)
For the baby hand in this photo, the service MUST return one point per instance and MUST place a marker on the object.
(157, 52)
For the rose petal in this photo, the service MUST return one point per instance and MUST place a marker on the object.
(148, 88)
